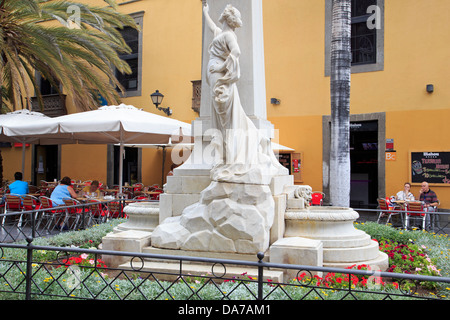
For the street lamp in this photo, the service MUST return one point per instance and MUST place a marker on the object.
(157, 98)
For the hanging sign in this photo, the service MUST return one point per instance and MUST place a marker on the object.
(433, 167)
(391, 155)
(295, 165)
(389, 144)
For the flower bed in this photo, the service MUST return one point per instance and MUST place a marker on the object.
(426, 254)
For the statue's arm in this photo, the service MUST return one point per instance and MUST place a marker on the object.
(233, 45)
(208, 19)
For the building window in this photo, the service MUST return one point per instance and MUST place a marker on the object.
(46, 88)
(196, 95)
(363, 34)
(367, 36)
(132, 82)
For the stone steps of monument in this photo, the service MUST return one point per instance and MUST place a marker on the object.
(209, 254)
(342, 242)
(357, 253)
(170, 270)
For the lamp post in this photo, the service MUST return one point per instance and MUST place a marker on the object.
(157, 98)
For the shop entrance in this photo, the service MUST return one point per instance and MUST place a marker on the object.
(46, 163)
(364, 164)
(130, 165)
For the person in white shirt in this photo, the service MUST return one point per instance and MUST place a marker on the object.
(405, 194)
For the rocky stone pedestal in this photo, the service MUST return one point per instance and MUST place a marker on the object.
(229, 217)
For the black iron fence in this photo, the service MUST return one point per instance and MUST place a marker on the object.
(42, 272)
(74, 273)
(437, 222)
(42, 222)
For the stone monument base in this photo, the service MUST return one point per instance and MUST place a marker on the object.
(329, 233)
(300, 235)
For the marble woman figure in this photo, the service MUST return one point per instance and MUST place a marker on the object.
(243, 154)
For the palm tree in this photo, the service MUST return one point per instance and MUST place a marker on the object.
(78, 52)
(340, 103)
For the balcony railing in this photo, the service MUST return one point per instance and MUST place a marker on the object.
(54, 105)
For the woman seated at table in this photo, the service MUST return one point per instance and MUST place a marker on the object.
(405, 194)
(92, 188)
(62, 190)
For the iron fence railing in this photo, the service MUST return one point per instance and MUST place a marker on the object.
(42, 222)
(437, 222)
(75, 273)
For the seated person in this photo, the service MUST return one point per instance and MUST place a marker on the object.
(405, 194)
(428, 196)
(18, 187)
(93, 188)
(62, 190)
(430, 200)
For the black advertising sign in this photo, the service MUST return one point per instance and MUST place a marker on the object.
(433, 167)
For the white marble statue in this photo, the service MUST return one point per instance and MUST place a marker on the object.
(243, 154)
(236, 211)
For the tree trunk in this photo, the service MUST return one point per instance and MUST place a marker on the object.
(340, 103)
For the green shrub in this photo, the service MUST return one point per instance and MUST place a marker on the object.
(383, 232)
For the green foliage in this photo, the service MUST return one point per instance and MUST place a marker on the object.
(70, 44)
(414, 252)
(383, 232)
(89, 238)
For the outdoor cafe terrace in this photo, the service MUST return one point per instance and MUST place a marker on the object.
(35, 214)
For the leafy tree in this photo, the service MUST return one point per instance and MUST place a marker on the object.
(71, 44)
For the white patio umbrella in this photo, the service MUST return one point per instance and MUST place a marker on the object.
(23, 116)
(122, 124)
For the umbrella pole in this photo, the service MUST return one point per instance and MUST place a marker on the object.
(163, 163)
(121, 167)
(23, 158)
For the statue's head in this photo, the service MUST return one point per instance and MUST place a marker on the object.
(231, 16)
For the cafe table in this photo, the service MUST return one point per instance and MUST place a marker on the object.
(400, 203)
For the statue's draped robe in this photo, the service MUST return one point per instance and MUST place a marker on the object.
(245, 153)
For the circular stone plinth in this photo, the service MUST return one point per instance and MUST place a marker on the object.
(323, 214)
(142, 216)
(333, 225)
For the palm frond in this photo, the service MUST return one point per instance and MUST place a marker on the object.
(80, 59)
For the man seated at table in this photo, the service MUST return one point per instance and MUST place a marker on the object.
(18, 187)
(430, 199)
(428, 196)
(92, 188)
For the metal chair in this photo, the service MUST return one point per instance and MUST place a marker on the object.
(13, 203)
(114, 209)
(98, 213)
(419, 212)
(72, 213)
(137, 188)
(53, 216)
(156, 196)
(317, 198)
(30, 203)
(386, 210)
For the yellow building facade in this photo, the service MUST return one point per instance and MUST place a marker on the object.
(394, 118)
